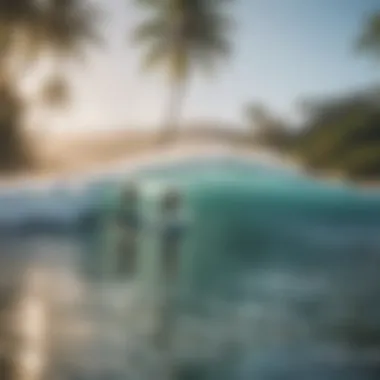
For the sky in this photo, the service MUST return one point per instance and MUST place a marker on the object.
(283, 51)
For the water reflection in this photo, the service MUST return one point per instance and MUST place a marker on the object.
(33, 291)
(55, 321)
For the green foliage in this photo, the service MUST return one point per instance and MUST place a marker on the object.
(266, 129)
(30, 29)
(182, 34)
(343, 134)
(340, 134)
(369, 40)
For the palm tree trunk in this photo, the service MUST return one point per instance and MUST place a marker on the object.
(171, 126)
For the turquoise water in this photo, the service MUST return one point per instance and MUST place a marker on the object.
(275, 262)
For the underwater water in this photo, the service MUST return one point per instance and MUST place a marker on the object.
(279, 279)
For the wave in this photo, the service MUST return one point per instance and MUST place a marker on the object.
(76, 203)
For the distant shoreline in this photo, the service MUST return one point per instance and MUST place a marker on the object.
(75, 159)
(155, 156)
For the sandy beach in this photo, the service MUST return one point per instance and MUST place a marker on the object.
(67, 158)
(73, 158)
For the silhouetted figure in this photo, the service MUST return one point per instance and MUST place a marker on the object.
(128, 222)
(173, 228)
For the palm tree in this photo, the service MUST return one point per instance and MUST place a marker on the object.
(30, 30)
(179, 36)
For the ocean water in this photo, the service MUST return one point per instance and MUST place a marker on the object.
(279, 279)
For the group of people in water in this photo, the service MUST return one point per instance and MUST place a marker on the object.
(170, 227)
(130, 225)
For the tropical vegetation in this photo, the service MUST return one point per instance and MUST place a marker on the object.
(181, 36)
(339, 135)
(32, 32)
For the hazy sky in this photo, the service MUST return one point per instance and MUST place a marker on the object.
(284, 50)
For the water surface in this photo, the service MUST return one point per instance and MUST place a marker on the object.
(279, 277)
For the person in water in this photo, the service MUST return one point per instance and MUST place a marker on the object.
(128, 222)
(171, 232)
(173, 229)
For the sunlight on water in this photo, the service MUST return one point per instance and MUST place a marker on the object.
(85, 329)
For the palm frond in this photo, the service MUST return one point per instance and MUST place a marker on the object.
(155, 55)
(179, 64)
(369, 40)
(68, 25)
(29, 27)
(194, 32)
(151, 30)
